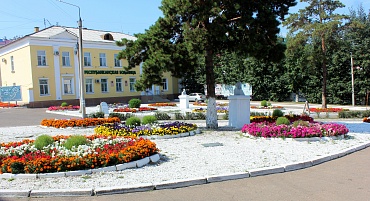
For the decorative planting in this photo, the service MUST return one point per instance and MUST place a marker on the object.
(99, 151)
(64, 108)
(162, 104)
(63, 123)
(271, 130)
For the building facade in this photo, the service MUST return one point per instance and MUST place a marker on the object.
(45, 64)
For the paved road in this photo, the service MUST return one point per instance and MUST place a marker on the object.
(346, 178)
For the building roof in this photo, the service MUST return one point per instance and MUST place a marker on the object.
(87, 34)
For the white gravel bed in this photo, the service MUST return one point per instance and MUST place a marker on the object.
(186, 158)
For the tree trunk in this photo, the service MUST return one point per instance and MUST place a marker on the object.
(324, 74)
(211, 120)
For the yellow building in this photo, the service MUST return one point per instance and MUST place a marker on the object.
(46, 67)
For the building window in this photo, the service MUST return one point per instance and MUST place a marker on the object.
(117, 62)
(104, 85)
(132, 84)
(164, 84)
(12, 63)
(67, 86)
(119, 85)
(41, 58)
(102, 59)
(87, 59)
(44, 87)
(89, 85)
(65, 59)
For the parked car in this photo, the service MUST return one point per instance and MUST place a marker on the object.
(197, 97)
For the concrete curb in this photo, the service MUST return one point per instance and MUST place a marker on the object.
(178, 183)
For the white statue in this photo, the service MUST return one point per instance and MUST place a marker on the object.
(183, 92)
(238, 89)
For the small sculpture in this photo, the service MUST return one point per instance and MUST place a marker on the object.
(238, 89)
(183, 92)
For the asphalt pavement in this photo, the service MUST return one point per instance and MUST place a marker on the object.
(345, 178)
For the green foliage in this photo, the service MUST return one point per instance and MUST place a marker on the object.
(264, 103)
(149, 119)
(277, 113)
(354, 114)
(253, 114)
(64, 104)
(190, 116)
(162, 116)
(96, 115)
(121, 116)
(134, 103)
(43, 141)
(282, 120)
(226, 116)
(300, 123)
(133, 121)
(75, 141)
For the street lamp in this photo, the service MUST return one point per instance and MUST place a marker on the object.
(80, 54)
(353, 82)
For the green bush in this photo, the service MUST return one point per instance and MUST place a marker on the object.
(268, 104)
(179, 116)
(43, 141)
(134, 103)
(226, 116)
(253, 114)
(277, 113)
(264, 103)
(64, 104)
(353, 114)
(75, 141)
(300, 123)
(121, 116)
(162, 116)
(149, 119)
(96, 115)
(133, 121)
(282, 120)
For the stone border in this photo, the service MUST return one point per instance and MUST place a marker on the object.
(182, 182)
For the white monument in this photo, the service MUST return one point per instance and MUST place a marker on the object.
(239, 108)
(184, 100)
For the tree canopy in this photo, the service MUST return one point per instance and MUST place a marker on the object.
(193, 31)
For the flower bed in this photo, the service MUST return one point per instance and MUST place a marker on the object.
(101, 151)
(63, 123)
(116, 129)
(162, 104)
(219, 110)
(271, 130)
(205, 104)
(63, 108)
(366, 119)
(291, 118)
(134, 110)
(8, 104)
(327, 110)
(268, 107)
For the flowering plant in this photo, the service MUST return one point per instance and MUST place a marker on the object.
(162, 104)
(62, 108)
(8, 104)
(366, 119)
(327, 109)
(219, 110)
(63, 123)
(291, 118)
(117, 129)
(268, 129)
(101, 151)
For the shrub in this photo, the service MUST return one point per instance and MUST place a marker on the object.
(277, 113)
(198, 116)
(96, 115)
(300, 123)
(75, 141)
(43, 141)
(149, 119)
(162, 116)
(133, 121)
(121, 116)
(282, 120)
(226, 116)
(134, 103)
(257, 114)
(179, 116)
(264, 103)
(64, 104)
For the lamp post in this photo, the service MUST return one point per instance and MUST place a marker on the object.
(80, 55)
(353, 82)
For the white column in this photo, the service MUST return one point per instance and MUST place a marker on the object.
(58, 88)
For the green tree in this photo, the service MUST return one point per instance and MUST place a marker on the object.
(315, 23)
(204, 28)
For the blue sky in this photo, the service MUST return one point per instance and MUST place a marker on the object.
(19, 17)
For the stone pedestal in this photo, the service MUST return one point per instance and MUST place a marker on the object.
(184, 101)
(239, 110)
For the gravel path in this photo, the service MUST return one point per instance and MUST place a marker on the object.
(187, 157)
